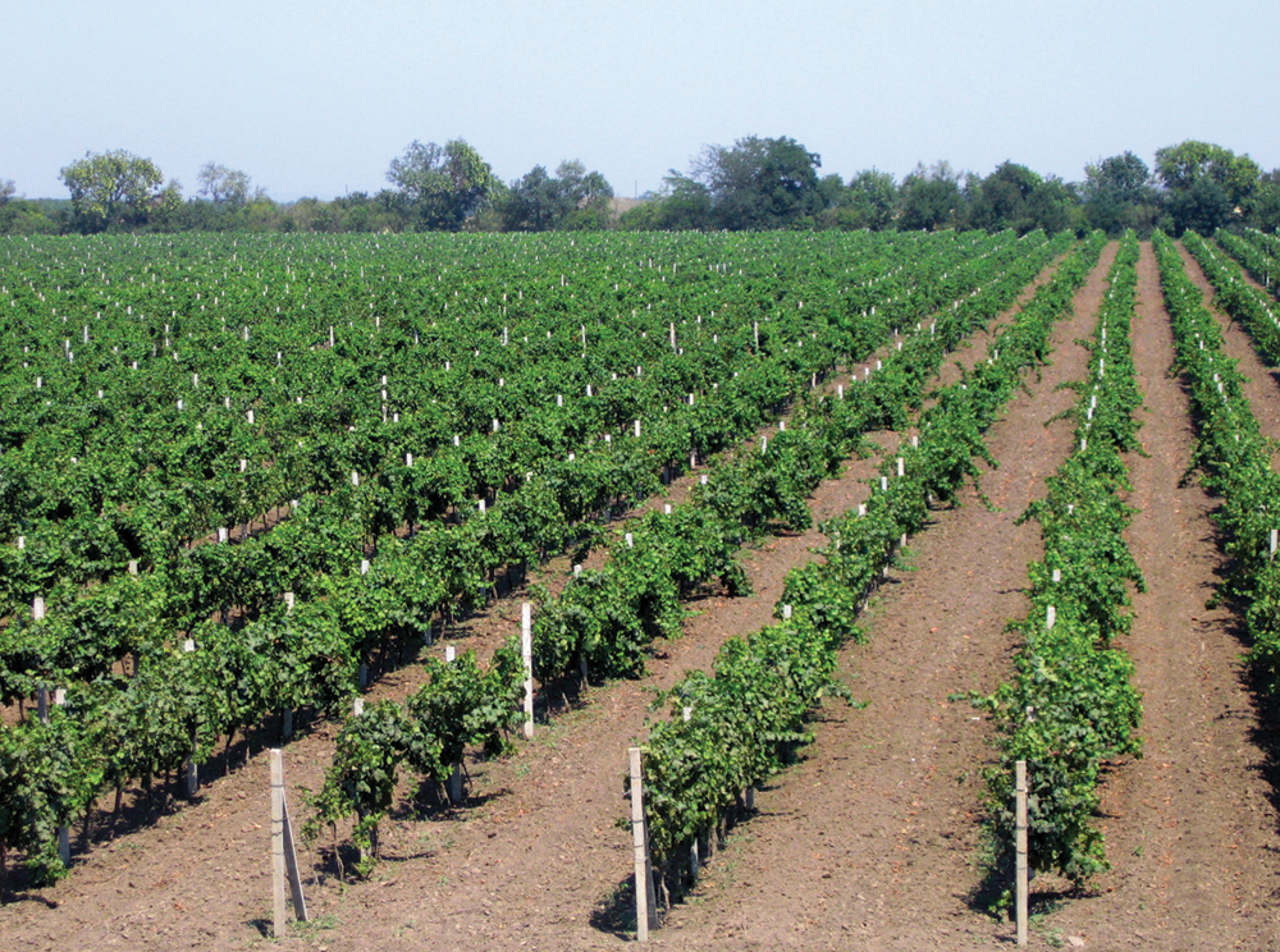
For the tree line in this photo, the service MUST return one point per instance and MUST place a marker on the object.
(755, 184)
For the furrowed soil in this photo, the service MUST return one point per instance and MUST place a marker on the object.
(872, 840)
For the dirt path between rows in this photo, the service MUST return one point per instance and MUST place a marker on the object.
(870, 842)
(525, 864)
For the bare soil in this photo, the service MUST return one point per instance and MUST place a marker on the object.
(870, 842)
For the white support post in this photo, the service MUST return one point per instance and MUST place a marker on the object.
(526, 655)
(42, 702)
(191, 772)
(1020, 845)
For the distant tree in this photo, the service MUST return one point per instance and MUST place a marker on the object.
(587, 195)
(1264, 205)
(760, 183)
(874, 196)
(1002, 200)
(532, 202)
(442, 185)
(21, 217)
(1118, 194)
(1206, 185)
(1013, 196)
(1055, 206)
(931, 199)
(112, 189)
(573, 198)
(226, 188)
(681, 205)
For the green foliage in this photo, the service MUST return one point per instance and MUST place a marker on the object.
(746, 719)
(113, 189)
(1071, 705)
(574, 199)
(1232, 455)
(760, 183)
(95, 482)
(443, 184)
(1236, 296)
(1207, 184)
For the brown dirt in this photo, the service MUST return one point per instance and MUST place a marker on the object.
(869, 842)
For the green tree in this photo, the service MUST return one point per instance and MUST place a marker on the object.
(1206, 185)
(1002, 199)
(682, 205)
(226, 188)
(21, 217)
(760, 183)
(573, 198)
(1013, 196)
(1264, 205)
(442, 185)
(587, 195)
(931, 199)
(113, 189)
(531, 203)
(1118, 195)
(874, 196)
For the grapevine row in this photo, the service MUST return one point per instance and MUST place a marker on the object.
(1234, 459)
(746, 718)
(1071, 705)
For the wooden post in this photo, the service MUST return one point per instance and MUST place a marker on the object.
(455, 778)
(526, 654)
(1273, 542)
(42, 708)
(646, 902)
(191, 773)
(284, 860)
(1020, 821)
(1050, 618)
(695, 859)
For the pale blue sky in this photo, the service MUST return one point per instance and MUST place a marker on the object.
(312, 97)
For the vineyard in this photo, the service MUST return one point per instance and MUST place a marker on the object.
(833, 527)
